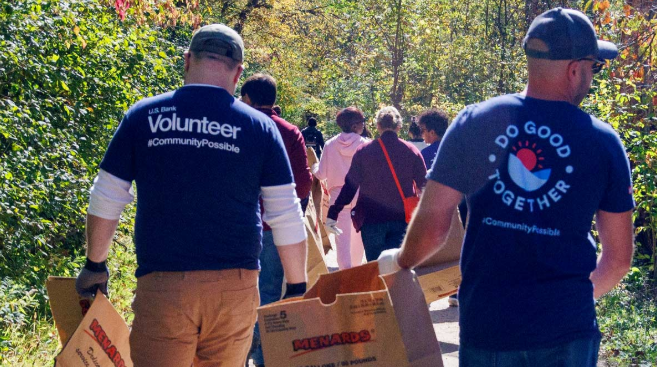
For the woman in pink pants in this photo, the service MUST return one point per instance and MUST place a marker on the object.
(333, 167)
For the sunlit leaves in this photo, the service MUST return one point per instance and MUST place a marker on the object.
(68, 71)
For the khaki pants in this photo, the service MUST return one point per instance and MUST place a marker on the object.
(200, 318)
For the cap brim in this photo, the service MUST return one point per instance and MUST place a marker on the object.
(607, 50)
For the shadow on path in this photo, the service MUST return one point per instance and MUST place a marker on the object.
(450, 314)
(446, 348)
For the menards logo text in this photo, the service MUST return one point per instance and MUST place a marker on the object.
(104, 341)
(325, 341)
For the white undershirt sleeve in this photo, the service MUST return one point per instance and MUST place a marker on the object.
(109, 195)
(283, 214)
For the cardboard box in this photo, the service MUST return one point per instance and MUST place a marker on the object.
(320, 197)
(316, 261)
(353, 317)
(440, 275)
(439, 281)
(101, 337)
(67, 307)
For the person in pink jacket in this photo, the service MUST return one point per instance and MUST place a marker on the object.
(333, 167)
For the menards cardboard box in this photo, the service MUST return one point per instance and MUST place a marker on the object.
(67, 307)
(353, 317)
(440, 275)
(97, 336)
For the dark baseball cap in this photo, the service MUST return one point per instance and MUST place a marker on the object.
(218, 39)
(568, 35)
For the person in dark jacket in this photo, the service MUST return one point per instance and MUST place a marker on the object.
(259, 92)
(313, 137)
(379, 202)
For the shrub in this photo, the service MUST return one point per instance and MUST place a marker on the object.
(68, 71)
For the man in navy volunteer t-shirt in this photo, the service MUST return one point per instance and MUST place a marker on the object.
(535, 169)
(201, 160)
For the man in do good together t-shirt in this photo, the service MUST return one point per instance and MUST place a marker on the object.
(535, 170)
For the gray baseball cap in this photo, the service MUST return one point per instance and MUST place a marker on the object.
(568, 35)
(218, 39)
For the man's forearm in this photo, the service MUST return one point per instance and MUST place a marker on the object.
(430, 224)
(425, 233)
(100, 233)
(293, 258)
(616, 236)
(607, 275)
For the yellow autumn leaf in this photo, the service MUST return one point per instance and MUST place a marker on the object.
(76, 30)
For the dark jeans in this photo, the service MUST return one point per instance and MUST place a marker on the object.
(378, 237)
(578, 353)
(270, 284)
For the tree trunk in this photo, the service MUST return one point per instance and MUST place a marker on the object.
(396, 94)
(248, 9)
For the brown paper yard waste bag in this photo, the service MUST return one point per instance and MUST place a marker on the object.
(316, 264)
(101, 339)
(440, 275)
(320, 197)
(68, 308)
(352, 317)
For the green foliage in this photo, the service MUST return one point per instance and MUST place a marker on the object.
(624, 96)
(35, 342)
(628, 321)
(68, 70)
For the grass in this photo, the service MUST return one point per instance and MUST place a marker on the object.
(628, 321)
(35, 342)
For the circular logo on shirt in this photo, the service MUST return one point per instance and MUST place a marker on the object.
(531, 151)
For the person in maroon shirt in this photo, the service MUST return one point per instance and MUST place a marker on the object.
(259, 92)
(379, 212)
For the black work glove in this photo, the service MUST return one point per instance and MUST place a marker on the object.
(93, 277)
(294, 290)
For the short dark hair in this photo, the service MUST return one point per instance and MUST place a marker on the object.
(312, 121)
(348, 117)
(261, 89)
(435, 120)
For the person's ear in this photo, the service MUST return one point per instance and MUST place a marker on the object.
(238, 74)
(574, 73)
(187, 56)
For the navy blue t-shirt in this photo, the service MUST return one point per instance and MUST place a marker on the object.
(199, 158)
(429, 153)
(535, 172)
